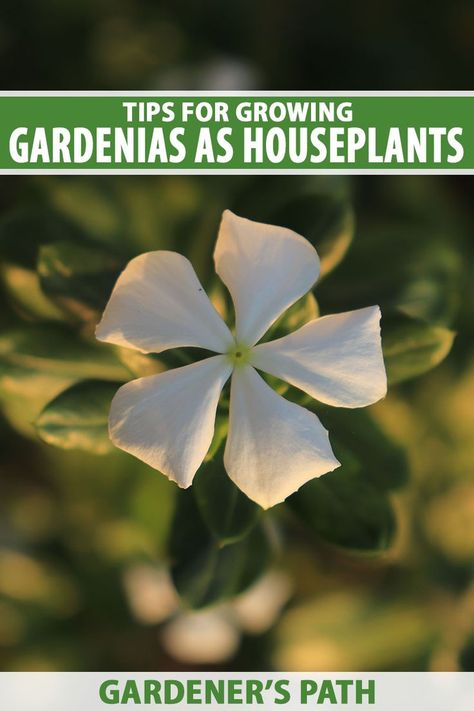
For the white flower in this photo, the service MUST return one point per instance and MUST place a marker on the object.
(273, 446)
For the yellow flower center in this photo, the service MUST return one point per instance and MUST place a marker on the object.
(239, 354)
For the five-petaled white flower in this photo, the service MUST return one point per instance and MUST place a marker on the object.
(273, 446)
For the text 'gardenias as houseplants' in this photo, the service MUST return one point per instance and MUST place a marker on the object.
(273, 446)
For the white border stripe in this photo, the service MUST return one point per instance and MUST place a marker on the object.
(237, 171)
(250, 94)
(389, 691)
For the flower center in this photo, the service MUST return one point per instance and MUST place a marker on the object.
(239, 354)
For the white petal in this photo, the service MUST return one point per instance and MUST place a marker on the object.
(167, 420)
(158, 303)
(336, 359)
(265, 268)
(273, 446)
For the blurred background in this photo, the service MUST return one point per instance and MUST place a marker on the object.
(375, 572)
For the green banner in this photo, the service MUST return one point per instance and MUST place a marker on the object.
(72, 132)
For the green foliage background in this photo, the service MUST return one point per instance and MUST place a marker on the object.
(381, 552)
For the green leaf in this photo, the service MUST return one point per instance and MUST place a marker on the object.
(326, 220)
(356, 435)
(304, 310)
(140, 364)
(350, 507)
(345, 509)
(78, 417)
(59, 352)
(79, 277)
(398, 265)
(23, 286)
(140, 215)
(21, 234)
(412, 347)
(220, 431)
(23, 231)
(90, 204)
(177, 357)
(24, 393)
(204, 571)
(228, 513)
(39, 362)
